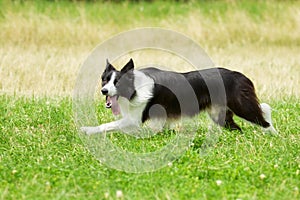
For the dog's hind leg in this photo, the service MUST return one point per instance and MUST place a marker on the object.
(223, 117)
(217, 114)
(229, 123)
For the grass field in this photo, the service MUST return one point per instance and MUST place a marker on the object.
(42, 46)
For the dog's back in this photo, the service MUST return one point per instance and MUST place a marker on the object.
(220, 91)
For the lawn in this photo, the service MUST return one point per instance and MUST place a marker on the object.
(44, 43)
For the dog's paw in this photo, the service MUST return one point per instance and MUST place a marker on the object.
(89, 130)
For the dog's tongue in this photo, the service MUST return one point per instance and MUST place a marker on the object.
(111, 102)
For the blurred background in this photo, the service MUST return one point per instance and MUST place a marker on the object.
(44, 43)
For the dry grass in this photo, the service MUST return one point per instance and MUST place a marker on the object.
(41, 53)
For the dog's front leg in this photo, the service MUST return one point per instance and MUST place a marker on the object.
(111, 126)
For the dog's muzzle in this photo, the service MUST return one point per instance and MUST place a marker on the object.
(112, 102)
(108, 102)
(104, 91)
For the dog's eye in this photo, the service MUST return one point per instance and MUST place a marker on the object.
(104, 82)
(115, 82)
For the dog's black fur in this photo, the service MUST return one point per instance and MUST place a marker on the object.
(239, 97)
(239, 93)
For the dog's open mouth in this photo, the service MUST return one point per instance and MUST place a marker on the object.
(112, 102)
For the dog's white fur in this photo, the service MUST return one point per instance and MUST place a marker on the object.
(266, 109)
(110, 85)
(131, 111)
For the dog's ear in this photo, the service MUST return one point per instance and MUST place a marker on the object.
(109, 66)
(129, 66)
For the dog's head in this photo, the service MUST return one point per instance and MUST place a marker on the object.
(118, 83)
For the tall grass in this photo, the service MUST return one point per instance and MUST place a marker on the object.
(44, 43)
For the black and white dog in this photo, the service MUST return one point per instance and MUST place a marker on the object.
(134, 93)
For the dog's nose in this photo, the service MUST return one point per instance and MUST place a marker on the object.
(104, 91)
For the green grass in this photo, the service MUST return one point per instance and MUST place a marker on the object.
(42, 157)
(42, 45)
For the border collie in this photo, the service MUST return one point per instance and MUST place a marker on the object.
(134, 93)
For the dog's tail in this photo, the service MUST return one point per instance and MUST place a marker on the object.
(266, 111)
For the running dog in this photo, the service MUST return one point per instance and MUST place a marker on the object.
(221, 92)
